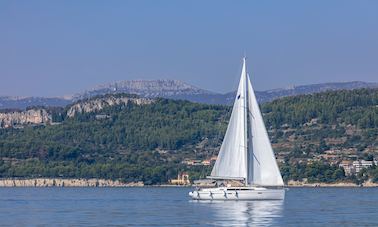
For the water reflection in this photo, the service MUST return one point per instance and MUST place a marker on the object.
(244, 213)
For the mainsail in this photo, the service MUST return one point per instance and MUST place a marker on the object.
(232, 160)
(246, 152)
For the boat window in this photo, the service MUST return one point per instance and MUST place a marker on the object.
(238, 189)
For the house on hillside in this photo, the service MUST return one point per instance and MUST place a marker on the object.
(354, 167)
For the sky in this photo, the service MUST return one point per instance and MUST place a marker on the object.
(56, 48)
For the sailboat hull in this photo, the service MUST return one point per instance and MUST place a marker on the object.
(238, 193)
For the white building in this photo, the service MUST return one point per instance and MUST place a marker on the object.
(354, 167)
(362, 164)
(348, 167)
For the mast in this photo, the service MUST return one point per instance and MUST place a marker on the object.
(245, 110)
(250, 151)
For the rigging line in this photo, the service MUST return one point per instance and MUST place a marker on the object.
(256, 158)
(252, 153)
(251, 114)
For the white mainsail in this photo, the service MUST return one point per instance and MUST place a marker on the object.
(246, 152)
(232, 160)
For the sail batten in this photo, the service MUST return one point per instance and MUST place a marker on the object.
(246, 152)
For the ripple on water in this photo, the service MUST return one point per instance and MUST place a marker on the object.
(172, 207)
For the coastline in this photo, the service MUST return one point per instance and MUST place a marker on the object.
(294, 184)
(93, 182)
(68, 182)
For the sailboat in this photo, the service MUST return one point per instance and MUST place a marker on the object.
(246, 154)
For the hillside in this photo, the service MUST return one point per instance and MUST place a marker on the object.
(311, 134)
(328, 127)
(135, 142)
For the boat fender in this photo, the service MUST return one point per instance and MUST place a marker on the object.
(194, 194)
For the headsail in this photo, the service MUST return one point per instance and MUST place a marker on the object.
(232, 161)
(265, 170)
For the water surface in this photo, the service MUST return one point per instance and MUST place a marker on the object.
(172, 207)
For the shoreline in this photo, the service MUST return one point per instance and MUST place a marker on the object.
(65, 182)
(295, 184)
(93, 182)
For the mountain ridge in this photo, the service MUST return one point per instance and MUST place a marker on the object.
(176, 89)
(146, 88)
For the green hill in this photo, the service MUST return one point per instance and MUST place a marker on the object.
(149, 142)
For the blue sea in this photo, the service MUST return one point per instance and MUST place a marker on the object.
(172, 207)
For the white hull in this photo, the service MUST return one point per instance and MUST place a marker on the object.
(238, 193)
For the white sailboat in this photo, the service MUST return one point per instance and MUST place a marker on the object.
(246, 154)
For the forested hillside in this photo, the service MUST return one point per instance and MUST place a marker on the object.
(136, 142)
(324, 129)
(357, 107)
(150, 142)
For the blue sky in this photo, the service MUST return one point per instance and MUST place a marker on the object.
(54, 48)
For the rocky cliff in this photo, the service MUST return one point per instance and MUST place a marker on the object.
(32, 116)
(17, 118)
(97, 104)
